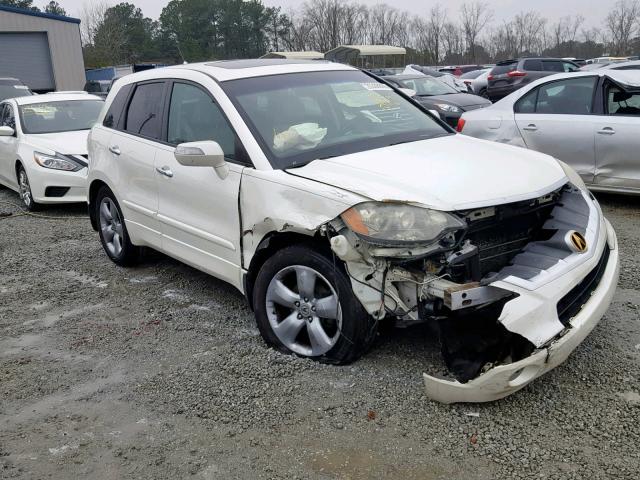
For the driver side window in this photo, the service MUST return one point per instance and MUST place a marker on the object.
(7, 119)
(620, 102)
(194, 116)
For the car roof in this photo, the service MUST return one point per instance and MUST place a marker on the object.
(224, 70)
(54, 97)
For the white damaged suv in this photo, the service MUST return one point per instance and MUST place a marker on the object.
(333, 201)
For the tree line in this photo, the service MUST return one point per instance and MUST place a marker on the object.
(196, 30)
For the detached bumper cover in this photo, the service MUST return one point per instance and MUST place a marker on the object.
(504, 380)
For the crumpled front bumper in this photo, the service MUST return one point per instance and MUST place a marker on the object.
(503, 380)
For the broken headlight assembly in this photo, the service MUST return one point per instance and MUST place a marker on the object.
(386, 223)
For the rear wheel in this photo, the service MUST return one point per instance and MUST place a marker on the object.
(304, 305)
(483, 93)
(24, 190)
(112, 229)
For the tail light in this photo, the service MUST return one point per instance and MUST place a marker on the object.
(460, 126)
(490, 77)
(516, 73)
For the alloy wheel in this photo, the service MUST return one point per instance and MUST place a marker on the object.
(304, 311)
(111, 226)
(24, 188)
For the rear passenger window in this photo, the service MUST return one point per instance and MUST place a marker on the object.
(144, 116)
(112, 118)
(194, 116)
(552, 66)
(565, 97)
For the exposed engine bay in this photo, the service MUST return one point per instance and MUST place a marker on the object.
(449, 282)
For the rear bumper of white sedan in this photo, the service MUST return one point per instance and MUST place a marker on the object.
(503, 380)
(50, 186)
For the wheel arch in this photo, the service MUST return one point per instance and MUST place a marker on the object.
(94, 188)
(273, 242)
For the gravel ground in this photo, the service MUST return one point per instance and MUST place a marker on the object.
(159, 372)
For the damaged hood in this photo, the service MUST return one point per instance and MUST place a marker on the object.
(447, 173)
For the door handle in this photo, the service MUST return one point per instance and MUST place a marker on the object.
(607, 131)
(530, 128)
(114, 149)
(166, 171)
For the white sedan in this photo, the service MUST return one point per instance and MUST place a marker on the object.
(589, 120)
(332, 201)
(43, 146)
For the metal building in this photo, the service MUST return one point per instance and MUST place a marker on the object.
(42, 50)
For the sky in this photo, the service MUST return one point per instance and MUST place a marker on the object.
(594, 11)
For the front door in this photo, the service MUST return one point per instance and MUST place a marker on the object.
(8, 147)
(198, 210)
(618, 142)
(556, 119)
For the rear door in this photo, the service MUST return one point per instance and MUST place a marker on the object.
(556, 118)
(617, 140)
(134, 145)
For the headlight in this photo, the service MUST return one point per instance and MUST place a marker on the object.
(445, 107)
(574, 178)
(397, 223)
(56, 162)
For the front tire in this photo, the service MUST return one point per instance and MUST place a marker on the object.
(24, 190)
(112, 229)
(304, 304)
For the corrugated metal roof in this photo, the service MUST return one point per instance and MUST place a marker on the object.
(50, 16)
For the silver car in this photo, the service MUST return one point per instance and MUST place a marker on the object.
(590, 120)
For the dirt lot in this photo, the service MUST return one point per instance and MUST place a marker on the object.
(159, 372)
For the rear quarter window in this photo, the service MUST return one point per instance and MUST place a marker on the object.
(502, 69)
(113, 116)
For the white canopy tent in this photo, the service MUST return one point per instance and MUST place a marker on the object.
(369, 56)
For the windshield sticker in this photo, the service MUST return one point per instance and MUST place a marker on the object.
(375, 86)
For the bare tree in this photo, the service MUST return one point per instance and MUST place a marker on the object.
(475, 16)
(92, 15)
(621, 25)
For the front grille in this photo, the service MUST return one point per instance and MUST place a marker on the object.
(502, 236)
(569, 305)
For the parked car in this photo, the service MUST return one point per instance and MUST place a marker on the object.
(459, 70)
(476, 81)
(508, 76)
(447, 78)
(630, 65)
(332, 201)
(436, 95)
(12, 87)
(43, 146)
(589, 120)
(100, 88)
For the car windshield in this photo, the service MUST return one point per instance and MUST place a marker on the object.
(301, 117)
(59, 116)
(12, 89)
(427, 86)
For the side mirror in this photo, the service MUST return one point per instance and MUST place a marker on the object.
(408, 92)
(6, 131)
(202, 154)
